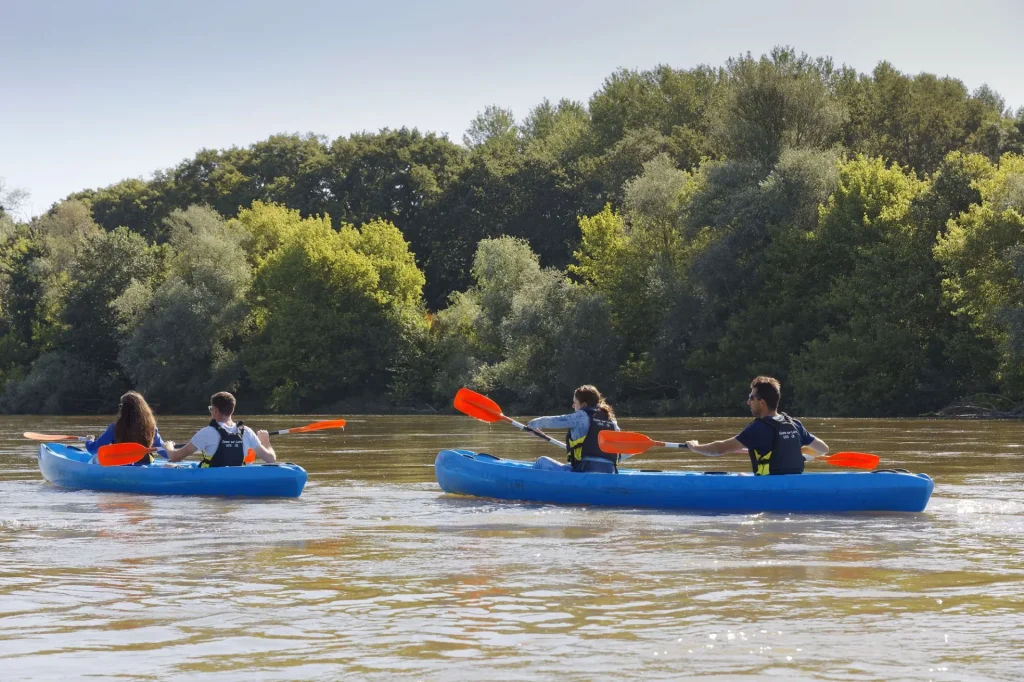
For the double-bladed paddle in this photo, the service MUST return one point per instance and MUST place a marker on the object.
(250, 456)
(119, 454)
(486, 410)
(115, 454)
(630, 443)
(32, 435)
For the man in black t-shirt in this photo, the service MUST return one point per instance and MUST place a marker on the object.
(774, 440)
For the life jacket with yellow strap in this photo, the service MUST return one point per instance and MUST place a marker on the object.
(230, 452)
(584, 454)
(785, 457)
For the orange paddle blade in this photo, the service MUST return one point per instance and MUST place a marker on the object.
(624, 442)
(31, 435)
(856, 460)
(250, 456)
(477, 406)
(121, 453)
(318, 426)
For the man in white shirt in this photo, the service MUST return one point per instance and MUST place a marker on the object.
(221, 443)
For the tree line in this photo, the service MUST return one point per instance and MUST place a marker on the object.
(857, 235)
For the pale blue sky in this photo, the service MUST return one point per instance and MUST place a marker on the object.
(92, 92)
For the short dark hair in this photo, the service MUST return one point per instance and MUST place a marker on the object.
(224, 402)
(769, 390)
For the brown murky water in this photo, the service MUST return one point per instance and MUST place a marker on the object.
(374, 574)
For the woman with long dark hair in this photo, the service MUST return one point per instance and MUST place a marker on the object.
(135, 423)
(592, 415)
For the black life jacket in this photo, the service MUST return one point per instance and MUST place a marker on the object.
(230, 452)
(785, 457)
(146, 460)
(583, 453)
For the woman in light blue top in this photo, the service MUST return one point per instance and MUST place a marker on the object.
(591, 416)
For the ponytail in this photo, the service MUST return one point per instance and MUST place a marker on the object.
(588, 395)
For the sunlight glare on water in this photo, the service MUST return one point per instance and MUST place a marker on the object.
(375, 574)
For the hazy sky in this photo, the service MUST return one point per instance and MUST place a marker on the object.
(92, 92)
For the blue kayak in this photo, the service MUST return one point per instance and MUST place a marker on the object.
(69, 467)
(464, 472)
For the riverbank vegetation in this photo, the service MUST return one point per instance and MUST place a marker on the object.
(859, 236)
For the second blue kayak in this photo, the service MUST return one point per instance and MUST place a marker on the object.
(464, 472)
(70, 467)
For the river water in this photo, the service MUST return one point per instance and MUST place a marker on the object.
(374, 574)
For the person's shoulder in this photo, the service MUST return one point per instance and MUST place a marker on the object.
(783, 415)
(245, 430)
(753, 429)
(800, 426)
(207, 431)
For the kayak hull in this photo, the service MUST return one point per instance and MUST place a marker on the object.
(69, 467)
(463, 472)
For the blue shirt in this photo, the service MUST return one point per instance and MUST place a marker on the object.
(578, 423)
(107, 437)
(759, 436)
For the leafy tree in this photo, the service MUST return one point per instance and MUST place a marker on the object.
(631, 264)
(524, 331)
(557, 131)
(494, 125)
(329, 308)
(981, 258)
(393, 175)
(183, 336)
(878, 310)
(555, 338)
(11, 199)
(916, 120)
(35, 276)
(625, 160)
(269, 226)
(21, 290)
(777, 102)
(82, 369)
(677, 104)
(134, 203)
(725, 319)
(500, 192)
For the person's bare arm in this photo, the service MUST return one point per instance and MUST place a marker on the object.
(266, 450)
(815, 447)
(178, 454)
(717, 448)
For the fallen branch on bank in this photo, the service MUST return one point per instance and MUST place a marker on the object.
(981, 406)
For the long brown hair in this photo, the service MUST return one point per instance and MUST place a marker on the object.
(135, 422)
(591, 397)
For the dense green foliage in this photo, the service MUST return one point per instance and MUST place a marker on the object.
(860, 236)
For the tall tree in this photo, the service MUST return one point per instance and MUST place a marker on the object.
(777, 102)
(183, 335)
(329, 308)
